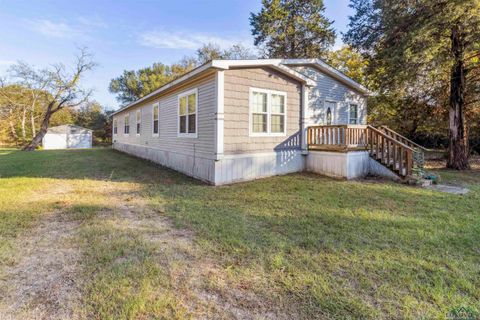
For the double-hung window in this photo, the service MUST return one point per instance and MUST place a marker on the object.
(126, 129)
(268, 114)
(138, 117)
(187, 114)
(155, 119)
(353, 114)
(115, 126)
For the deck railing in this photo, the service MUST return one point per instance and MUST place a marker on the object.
(382, 147)
(336, 137)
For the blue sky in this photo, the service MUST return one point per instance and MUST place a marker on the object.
(126, 34)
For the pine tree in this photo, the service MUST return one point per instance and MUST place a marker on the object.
(292, 29)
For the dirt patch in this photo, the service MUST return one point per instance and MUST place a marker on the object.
(43, 284)
(46, 282)
(192, 273)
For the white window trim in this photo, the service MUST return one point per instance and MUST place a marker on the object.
(269, 113)
(124, 122)
(334, 111)
(137, 122)
(187, 135)
(153, 119)
(115, 125)
(358, 111)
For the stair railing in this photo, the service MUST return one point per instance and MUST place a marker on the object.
(419, 151)
(389, 151)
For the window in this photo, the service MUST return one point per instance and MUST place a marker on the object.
(127, 125)
(330, 107)
(187, 114)
(267, 112)
(115, 124)
(138, 117)
(155, 117)
(353, 114)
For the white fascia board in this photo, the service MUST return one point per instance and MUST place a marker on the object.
(330, 71)
(169, 85)
(273, 63)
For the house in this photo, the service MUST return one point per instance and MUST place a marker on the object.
(67, 137)
(237, 120)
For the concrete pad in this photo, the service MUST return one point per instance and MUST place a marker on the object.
(449, 189)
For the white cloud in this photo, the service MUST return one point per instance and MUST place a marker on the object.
(94, 22)
(186, 40)
(54, 29)
(6, 62)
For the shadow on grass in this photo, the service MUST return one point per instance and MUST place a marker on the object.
(95, 164)
(338, 248)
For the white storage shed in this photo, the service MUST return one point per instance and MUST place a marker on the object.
(67, 137)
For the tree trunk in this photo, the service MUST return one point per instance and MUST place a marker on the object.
(41, 133)
(458, 153)
(32, 121)
(13, 132)
(24, 117)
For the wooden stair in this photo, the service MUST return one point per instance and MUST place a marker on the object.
(397, 153)
(391, 153)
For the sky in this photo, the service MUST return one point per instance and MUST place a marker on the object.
(127, 34)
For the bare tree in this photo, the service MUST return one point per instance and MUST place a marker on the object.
(60, 87)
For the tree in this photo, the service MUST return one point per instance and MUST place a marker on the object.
(62, 90)
(213, 51)
(91, 115)
(427, 49)
(292, 29)
(351, 63)
(133, 85)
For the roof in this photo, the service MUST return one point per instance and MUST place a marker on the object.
(281, 65)
(66, 128)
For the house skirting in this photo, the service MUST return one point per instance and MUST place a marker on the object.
(349, 165)
(196, 167)
(244, 167)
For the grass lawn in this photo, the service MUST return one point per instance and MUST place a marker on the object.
(151, 243)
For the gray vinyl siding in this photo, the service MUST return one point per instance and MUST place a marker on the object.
(330, 89)
(202, 146)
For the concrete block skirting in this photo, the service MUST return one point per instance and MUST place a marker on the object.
(196, 167)
(244, 167)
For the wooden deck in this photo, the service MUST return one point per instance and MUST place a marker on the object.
(382, 145)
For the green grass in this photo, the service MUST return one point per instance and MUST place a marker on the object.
(310, 245)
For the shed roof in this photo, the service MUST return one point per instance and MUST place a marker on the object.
(66, 128)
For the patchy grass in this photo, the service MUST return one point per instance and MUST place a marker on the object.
(296, 246)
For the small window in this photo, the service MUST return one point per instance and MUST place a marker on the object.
(330, 107)
(329, 116)
(155, 117)
(267, 112)
(353, 114)
(187, 114)
(115, 126)
(138, 117)
(127, 125)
